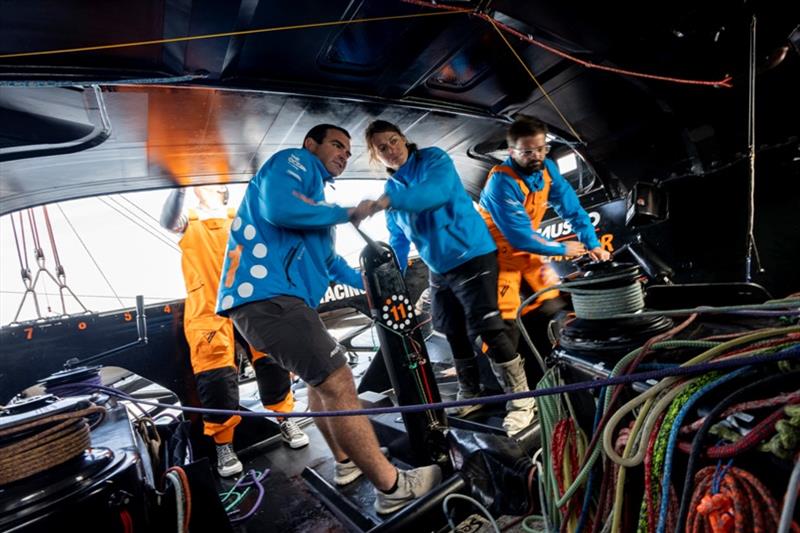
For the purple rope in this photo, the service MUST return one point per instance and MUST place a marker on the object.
(702, 368)
(76, 388)
(255, 480)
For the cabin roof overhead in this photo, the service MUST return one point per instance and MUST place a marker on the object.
(119, 96)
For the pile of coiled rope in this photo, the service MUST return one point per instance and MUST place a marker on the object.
(644, 432)
(35, 446)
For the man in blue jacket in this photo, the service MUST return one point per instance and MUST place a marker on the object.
(427, 205)
(279, 261)
(513, 203)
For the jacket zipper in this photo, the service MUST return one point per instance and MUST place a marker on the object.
(288, 263)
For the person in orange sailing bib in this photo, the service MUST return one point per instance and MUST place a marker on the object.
(211, 337)
(514, 201)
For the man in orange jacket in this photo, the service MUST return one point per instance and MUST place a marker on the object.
(513, 203)
(210, 336)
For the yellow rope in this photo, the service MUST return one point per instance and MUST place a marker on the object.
(228, 34)
(539, 85)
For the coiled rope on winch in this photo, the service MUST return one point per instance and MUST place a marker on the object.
(41, 444)
(603, 304)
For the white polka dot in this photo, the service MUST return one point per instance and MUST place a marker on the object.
(410, 313)
(227, 302)
(245, 290)
(260, 250)
(385, 316)
(237, 223)
(408, 321)
(402, 326)
(385, 307)
(394, 326)
(394, 297)
(249, 232)
(258, 271)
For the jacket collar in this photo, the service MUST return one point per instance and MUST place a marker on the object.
(534, 180)
(326, 176)
(405, 168)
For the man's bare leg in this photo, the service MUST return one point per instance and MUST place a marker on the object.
(323, 424)
(353, 435)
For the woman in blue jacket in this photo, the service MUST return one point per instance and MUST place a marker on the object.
(426, 204)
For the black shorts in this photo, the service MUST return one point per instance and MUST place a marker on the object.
(293, 334)
(464, 300)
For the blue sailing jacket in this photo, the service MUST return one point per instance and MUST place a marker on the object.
(504, 200)
(429, 207)
(281, 241)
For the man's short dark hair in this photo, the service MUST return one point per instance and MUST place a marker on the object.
(319, 132)
(524, 127)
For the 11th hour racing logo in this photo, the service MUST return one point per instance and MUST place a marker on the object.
(340, 292)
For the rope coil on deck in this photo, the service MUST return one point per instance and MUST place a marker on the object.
(66, 437)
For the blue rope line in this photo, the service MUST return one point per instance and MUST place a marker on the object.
(587, 498)
(702, 368)
(719, 473)
(673, 441)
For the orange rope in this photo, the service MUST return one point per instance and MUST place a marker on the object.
(187, 504)
(541, 88)
(225, 34)
(724, 82)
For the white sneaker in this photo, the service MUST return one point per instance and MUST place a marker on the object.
(228, 463)
(292, 435)
(346, 473)
(411, 484)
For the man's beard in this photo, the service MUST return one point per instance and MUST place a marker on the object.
(533, 166)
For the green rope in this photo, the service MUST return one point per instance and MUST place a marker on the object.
(786, 441)
(239, 497)
(584, 473)
(660, 447)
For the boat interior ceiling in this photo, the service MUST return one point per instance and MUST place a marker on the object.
(245, 78)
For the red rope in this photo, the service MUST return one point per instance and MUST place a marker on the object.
(790, 338)
(59, 268)
(565, 441)
(127, 521)
(743, 504)
(606, 498)
(630, 368)
(724, 82)
(557, 449)
(421, 361)
(752, 405)
(759, 433)
(187, 495)
(428, 390)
